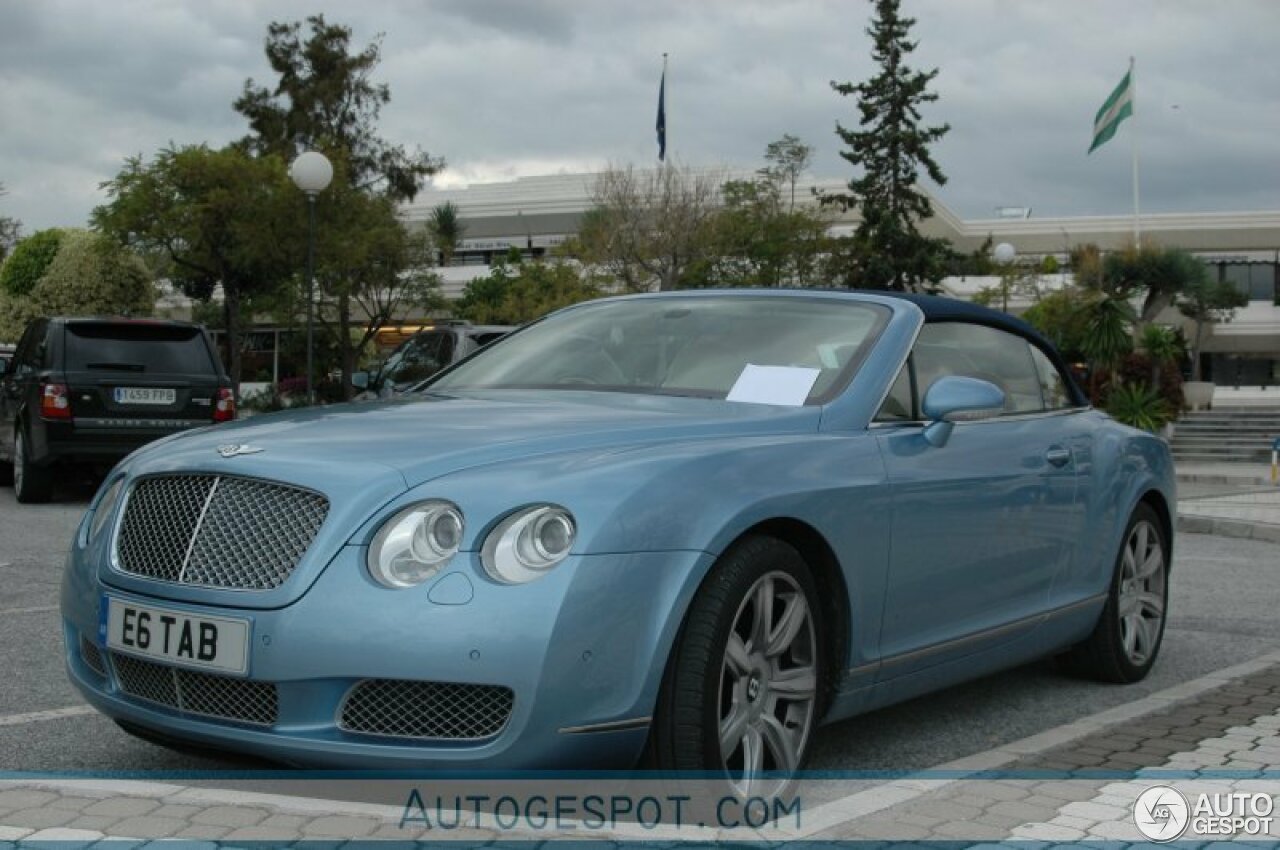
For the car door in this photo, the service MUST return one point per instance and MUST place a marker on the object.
(983, 524)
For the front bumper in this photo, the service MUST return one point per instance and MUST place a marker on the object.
(582, 649)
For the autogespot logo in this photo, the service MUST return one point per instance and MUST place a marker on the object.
(1161, 813)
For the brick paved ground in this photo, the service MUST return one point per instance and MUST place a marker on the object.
(1082, 790)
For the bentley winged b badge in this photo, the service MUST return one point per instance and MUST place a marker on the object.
(233, 449)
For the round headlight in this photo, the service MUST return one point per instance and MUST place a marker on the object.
(106, 505)
(528, 543)
(415, 543)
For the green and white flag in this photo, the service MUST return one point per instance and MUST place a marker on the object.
(1118, 107)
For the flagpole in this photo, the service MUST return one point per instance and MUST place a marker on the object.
(1133, 136)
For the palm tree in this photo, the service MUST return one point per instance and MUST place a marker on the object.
(1162, 347)
(1108, 337)
(446, 229)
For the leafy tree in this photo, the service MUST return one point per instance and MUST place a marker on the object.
(518, 291)
(1063, 318)
(89, 275)
(446, 229)
(29, 261)
(373, 273)
(1151, 272)
(647, 229)
(325, 98)
(757, 241)
(1205, 300)
(219, 217)
(891, 147)
(10, 230)
(787, 159)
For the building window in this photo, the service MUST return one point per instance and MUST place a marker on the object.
(1256, 280)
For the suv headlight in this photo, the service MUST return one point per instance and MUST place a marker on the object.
(527, 544)
(415, 543)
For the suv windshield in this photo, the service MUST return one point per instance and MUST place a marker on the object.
(136, 347)
(685, 345)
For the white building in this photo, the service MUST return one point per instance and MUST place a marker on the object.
(535, 214)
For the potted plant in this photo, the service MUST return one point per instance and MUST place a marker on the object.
(1204, 300)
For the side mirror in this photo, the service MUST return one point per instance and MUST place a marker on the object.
(953, 395)
(360, 380)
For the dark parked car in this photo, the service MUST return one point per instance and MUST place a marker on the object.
(93, 390)
(425, 353)
(6, 355)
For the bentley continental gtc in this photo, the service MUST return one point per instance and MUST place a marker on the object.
(680, 530)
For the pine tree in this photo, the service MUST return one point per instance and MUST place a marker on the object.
(891, 148)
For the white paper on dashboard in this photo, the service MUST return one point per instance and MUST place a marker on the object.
(782, 385)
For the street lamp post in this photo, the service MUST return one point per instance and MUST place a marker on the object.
(311, 172)
(1004, 254)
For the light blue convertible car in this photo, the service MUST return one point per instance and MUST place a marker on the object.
(676, 529)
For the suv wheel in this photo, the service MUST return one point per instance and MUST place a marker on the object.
(31, 484)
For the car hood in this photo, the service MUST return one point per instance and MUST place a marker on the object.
(425, 436)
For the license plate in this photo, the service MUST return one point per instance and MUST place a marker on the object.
(144, 395)
(188, 640)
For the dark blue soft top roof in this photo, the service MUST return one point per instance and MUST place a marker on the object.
(939, 309)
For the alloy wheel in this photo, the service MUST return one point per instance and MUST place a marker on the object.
(1142, 593)
(768, 685)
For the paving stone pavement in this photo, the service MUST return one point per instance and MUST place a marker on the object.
(1223, 739)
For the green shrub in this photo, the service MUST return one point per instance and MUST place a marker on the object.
(91, 275)
(29, 261)
(1140, 406)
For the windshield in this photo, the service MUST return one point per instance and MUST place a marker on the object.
(688, 345)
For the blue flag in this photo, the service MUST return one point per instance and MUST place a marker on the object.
(662, 117)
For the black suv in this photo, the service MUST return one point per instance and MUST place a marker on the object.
(425, 353)
(93, 390)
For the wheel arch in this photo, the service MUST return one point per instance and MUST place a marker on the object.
(833, 589)
(1156, 500)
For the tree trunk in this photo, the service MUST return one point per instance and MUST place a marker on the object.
(231, 313)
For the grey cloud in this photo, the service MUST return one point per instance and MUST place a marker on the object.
(507, 87)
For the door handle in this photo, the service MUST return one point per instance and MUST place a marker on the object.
(1058, 456)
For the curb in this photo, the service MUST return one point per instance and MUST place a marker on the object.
(1191, 524)
(1228, 480)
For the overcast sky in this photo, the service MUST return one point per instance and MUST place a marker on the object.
(502, 88)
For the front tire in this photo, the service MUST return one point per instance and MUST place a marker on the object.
(31, 484)
(1127, 638)
(740, 695)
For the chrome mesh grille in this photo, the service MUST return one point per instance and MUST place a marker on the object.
(193, 692)
(217, 530)
(437, 710)
(91, 656)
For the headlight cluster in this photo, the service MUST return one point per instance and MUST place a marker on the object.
(414, 544)
(418, 541)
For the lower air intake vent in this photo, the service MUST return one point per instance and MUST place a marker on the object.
(436, 710)
(192, 692)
